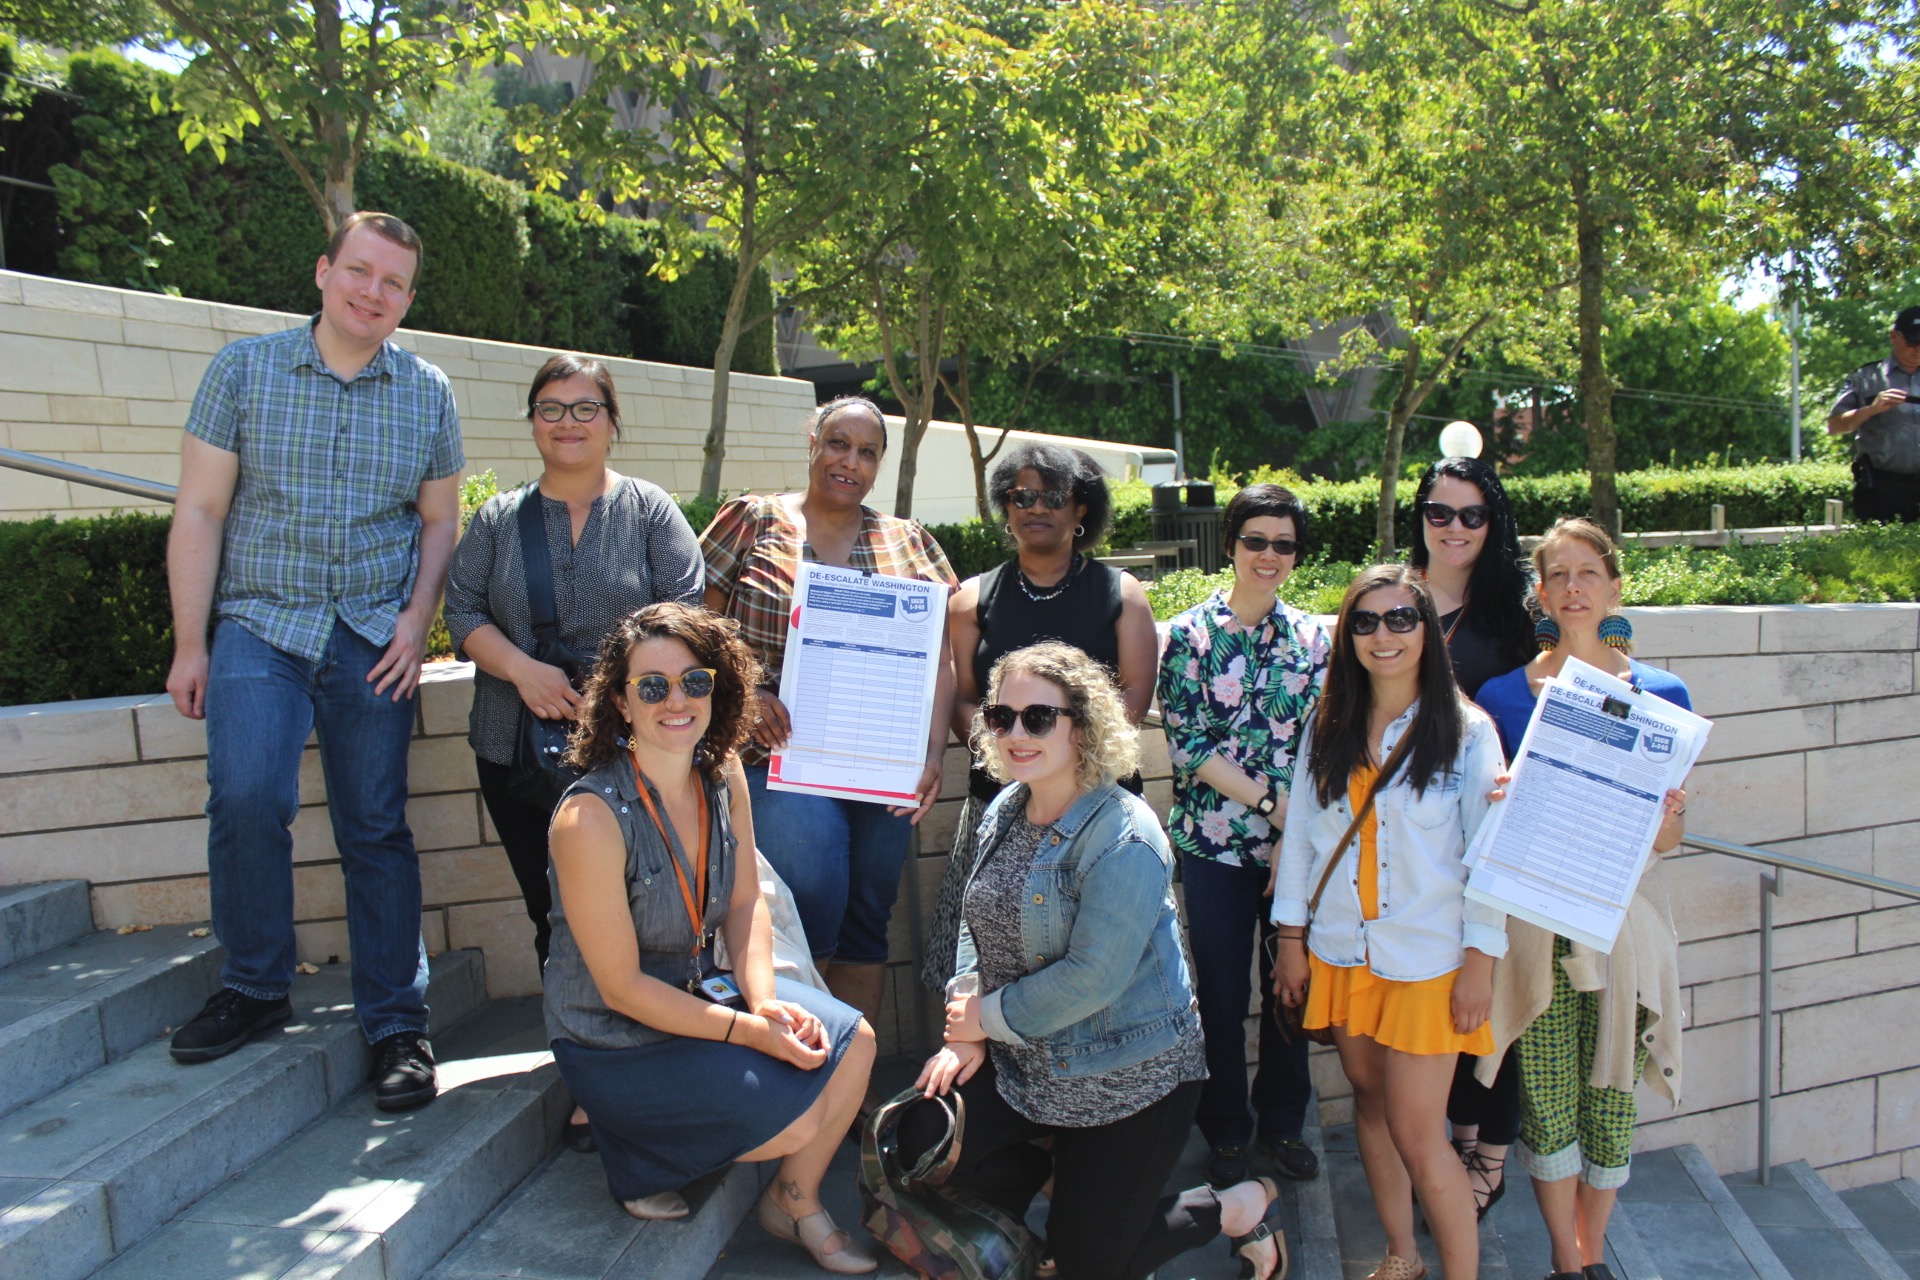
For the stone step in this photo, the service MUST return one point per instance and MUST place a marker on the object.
(1811, 1230)
(1891, 1211)
(1677, 1219)
(38, 917)
(373, 1195)
(94, 1167)
(73, 1008)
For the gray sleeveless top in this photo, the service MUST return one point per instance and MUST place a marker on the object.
(574, 1009)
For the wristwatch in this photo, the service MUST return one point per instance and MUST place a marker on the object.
(1268, 803)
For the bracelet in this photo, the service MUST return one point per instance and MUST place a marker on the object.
(728, 1038)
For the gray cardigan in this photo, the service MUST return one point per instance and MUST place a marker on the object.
(636, 549)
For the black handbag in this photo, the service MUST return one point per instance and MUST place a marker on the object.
(540, 774)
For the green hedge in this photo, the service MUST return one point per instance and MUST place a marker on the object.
(137, 212)
(83, 604)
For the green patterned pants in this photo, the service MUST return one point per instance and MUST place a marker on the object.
(1567, 1126)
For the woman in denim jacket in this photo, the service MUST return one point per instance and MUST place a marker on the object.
(1072, 1014)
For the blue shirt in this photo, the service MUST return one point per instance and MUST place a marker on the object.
(323, 523)
(1509, 699)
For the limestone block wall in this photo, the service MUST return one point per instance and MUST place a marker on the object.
(1816, 751)
(104, 377)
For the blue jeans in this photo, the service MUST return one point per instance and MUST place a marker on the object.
(261, 704)
(1225, 913)
(841, 858)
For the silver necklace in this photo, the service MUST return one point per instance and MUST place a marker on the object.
(1042, 595)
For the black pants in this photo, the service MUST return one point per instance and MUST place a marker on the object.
(1108, 1219)
(1884, 495)
(1495, 1108)
(523, 834)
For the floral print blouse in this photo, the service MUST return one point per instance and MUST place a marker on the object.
(1247, 695)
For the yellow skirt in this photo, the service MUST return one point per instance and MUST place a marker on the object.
(1413, 1017)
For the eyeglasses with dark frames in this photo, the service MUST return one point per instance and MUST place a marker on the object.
(1025, 498)
(1400, 620)
(1257, 544)
(1039, 718)
(1440, 515)
(554, 410)
(654, 687)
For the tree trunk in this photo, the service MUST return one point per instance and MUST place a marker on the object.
(1403, 406)
(1596, 386)
(714, 452)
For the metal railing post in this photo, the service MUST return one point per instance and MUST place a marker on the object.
(1770, 888)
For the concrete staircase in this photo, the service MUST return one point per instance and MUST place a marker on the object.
(273, 1163)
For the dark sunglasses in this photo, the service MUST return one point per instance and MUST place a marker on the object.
(653, 686)
(1257, 544)
(1440, 515)
(1399, 620)
(582, 410)
(1039, 718)
(1025, 498)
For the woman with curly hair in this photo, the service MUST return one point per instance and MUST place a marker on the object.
(679, 1076)
(1072, 1014)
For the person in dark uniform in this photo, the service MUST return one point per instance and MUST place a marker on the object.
(1056, 505)
(1880, 409)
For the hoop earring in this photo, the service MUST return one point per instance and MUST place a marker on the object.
(1079, 531)
(1546, 634)
(1616, 632)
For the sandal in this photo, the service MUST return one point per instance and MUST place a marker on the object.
(664, 1207)
(1397, 1268)
(1480, 1171)
(814, 1232)
(1252, 1248)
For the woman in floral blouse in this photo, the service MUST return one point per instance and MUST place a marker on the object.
(1240, 675)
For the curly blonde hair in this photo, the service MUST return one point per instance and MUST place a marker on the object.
(1109, 744)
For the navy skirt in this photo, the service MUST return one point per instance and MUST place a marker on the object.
(664, 1114)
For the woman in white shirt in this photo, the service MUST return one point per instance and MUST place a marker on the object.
(1401, 964)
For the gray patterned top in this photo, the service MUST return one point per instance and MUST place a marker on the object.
(636, 548)
(992, 911)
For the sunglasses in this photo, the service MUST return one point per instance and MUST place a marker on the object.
(1025, 498)
(1257, 544)
(1400, 620)
(1440, 515)
(653, 686)
(554, 410)
(1038, 718)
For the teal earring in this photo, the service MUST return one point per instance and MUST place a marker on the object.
(1616, 632)
(1546, 634)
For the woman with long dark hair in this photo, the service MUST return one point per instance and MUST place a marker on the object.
(1397, 770)
(1468, 545)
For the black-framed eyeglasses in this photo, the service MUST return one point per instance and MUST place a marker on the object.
(554, 410)
(1440, 515)
(1039, 718)
(1025, 498)
(654, 687)
(1400, 620)
(1257, 544)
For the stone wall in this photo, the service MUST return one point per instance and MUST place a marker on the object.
(104, 377)
(1813, 753)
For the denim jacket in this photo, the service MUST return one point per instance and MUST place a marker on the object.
(1107, 985)
(1425, 921)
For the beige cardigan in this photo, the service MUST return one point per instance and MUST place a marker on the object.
(1645, 961)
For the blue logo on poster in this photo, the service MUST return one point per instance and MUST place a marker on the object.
(1658, 745)
(914, 605)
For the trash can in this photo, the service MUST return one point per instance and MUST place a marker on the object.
(1202, 525)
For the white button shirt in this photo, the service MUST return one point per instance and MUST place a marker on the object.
(1425, 921)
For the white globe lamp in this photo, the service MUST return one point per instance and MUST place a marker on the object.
(1460, 440)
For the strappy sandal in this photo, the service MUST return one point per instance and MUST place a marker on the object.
(1397, 1268)
(1252, 1246)
(814, 1232)
(1480, 1171)
(663, 1207)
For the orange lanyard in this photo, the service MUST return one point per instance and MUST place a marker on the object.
(687, 894)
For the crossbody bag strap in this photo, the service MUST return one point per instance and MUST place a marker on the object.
(1353, 828)
(537, 562)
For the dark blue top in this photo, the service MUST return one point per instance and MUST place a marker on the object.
(1509, 700)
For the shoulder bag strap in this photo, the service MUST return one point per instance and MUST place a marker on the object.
(538, 565)
(1361, 815)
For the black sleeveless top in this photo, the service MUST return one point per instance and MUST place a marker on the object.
(1085, 614)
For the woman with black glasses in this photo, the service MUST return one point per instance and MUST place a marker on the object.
(1469, 548)
(1056, 505)
(1239, 678)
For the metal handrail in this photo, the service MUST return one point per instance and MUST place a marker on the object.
(58, 469)
(1771, 887)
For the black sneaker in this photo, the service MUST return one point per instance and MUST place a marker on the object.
(1288, 1157)
(224, 1023)
(402, 1074)
(1227, 1167)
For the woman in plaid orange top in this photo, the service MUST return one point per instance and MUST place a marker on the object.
(841, 858)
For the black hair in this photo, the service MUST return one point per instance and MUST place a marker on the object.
(1059, 468)
(561, 367)
(817, 420)
(1498, 586)
(1340, 720)
(1258, 500)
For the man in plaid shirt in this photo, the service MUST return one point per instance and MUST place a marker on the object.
(318, 507)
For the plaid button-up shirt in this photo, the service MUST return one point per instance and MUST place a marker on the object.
(323, 523)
